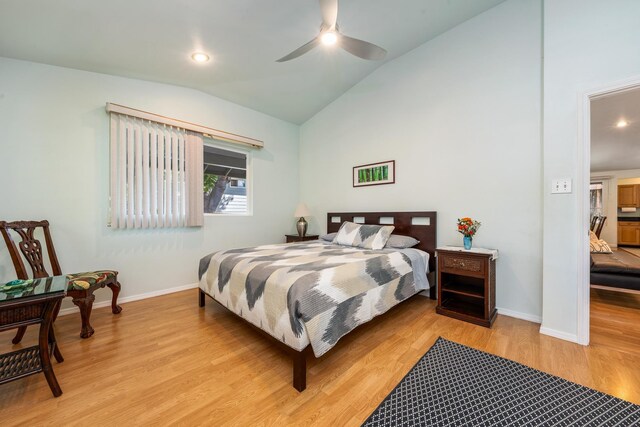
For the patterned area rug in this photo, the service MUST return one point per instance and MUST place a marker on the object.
(455, 385)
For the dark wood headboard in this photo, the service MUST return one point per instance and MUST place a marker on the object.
(419, 225)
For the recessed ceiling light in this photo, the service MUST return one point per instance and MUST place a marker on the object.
(200, 57)
(329, 38)
(622, 123)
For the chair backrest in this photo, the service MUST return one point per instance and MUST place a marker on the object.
(593, 222)
(30, 247)
(599, 225)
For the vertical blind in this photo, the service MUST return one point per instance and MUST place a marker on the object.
(156, 174)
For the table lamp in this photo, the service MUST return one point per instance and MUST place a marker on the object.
(301, 211)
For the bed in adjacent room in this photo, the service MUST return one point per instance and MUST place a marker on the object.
(310, 294)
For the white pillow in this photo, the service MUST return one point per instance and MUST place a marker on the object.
(600, 247)
(363, 236)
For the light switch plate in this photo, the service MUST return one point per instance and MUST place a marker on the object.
(561, 186)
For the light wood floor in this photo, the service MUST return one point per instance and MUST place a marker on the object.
(635, 251)
(165, 361)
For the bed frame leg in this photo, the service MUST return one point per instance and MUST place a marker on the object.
(201, 298)
(299, 370)
(433, 294)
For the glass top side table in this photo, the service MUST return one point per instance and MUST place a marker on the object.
(25, 303)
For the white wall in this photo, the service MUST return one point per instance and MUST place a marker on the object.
(610, 229)
(587, 44)
(461, 117)
(54, 150)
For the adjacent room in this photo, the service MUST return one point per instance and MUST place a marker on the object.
(320, 212)
(615, 220)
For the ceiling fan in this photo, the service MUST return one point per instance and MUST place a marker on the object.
(329, 35)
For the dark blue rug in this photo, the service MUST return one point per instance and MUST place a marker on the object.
(455, 385)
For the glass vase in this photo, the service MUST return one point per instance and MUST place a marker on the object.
(467, 240)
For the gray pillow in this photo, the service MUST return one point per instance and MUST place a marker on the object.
(328, 237)
(363, 235)
(397, 241)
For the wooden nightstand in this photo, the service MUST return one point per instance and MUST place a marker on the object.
(292, 238)
(467, 284)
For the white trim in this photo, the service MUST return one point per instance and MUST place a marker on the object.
(582, 193)
(519, 315)
(205, 130)
(559, 334)
(131, 298)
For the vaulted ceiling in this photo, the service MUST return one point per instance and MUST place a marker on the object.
(153, 40)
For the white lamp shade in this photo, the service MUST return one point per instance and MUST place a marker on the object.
(302, 210)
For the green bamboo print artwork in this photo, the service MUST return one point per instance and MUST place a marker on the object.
(375, 174)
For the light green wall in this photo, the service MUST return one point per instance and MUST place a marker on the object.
(54, 145)
(460, 115)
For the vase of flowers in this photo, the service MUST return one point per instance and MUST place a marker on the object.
(468, 227)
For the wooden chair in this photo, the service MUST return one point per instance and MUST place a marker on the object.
(599, 225)
(81, 285)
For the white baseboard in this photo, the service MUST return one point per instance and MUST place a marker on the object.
(519, 315)
(559, 334)
(131, 298)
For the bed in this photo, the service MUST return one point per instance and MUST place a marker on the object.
(306, 296)
(618, 270)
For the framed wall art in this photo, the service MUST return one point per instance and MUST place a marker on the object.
(374, 174)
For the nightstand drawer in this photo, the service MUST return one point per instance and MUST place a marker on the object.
(454, 263)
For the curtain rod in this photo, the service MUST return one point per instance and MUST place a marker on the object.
(206, 131)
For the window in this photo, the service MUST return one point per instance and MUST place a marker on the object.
(226, 179)
(158, 166)
(596, 196)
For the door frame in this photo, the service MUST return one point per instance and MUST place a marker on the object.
(582, 192)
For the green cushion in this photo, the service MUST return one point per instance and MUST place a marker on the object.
(84, 281)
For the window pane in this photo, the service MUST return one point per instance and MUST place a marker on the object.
(595, 193)
(225, 184)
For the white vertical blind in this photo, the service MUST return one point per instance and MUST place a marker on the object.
(194, 173)
(156, 175)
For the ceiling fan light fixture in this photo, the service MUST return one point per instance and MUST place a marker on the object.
(200, 57)
(329, 38)
(330, 35)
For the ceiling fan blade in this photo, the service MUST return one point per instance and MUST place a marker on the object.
(361, 48)
(329, 10)
(300, 51)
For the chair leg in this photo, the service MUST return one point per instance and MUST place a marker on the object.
(115, 288)
(85, 305)
(19, 335)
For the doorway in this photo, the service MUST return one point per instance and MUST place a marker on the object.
(610, 296)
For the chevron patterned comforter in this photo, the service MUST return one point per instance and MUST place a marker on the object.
(308, 293)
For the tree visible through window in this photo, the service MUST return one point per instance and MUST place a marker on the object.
(225, 181)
